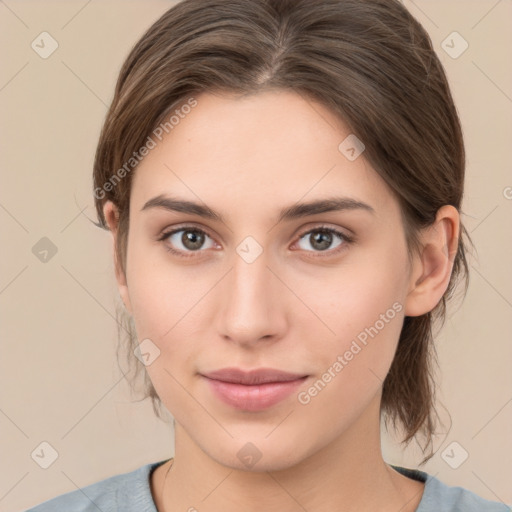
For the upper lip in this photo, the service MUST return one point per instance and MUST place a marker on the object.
(257, 376)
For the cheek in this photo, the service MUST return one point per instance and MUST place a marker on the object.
(161, 294)
(163, 300)
(363, 308)
(167, 303)
(352, 366)
(352, 298)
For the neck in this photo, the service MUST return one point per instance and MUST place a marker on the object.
(348, 474)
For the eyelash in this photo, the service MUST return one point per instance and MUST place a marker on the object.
(347, 240)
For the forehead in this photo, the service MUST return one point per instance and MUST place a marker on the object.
(258, 150)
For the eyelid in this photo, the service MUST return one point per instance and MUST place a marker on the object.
(346, 233)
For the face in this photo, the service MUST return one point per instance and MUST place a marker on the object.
(320, 295)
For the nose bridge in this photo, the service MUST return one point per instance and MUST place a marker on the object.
(250, 309)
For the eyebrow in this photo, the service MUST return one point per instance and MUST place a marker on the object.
(294, 211)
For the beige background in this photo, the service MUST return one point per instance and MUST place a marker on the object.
(59, 380)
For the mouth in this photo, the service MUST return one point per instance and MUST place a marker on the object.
(253, 390)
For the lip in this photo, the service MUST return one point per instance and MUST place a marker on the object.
(253, 390)
(252, 377)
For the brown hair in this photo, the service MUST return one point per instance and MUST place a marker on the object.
(371, 63)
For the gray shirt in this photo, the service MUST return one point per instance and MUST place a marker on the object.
(131, 492)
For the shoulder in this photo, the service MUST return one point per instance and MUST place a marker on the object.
(440, 497)
(127, 491)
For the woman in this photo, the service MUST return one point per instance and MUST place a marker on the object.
(283, 181)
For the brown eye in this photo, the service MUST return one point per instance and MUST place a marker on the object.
(322, 240)
(186, 240)
(192, 240)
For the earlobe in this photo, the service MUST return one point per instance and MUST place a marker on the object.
(432, 268)
(111, 214)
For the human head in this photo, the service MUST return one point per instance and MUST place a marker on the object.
(368, 62)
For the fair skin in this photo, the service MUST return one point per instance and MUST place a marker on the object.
(296, 307)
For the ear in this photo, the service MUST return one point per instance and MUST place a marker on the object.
(111, 213)
(432, 268)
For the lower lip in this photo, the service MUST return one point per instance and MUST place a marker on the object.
(253, 398)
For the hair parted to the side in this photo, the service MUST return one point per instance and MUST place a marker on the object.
(368, 61)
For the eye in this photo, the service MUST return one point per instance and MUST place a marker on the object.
(191, 240)
(321, 240)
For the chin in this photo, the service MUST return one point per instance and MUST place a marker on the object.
(258, 456)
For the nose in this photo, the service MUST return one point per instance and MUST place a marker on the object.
(251, 303)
